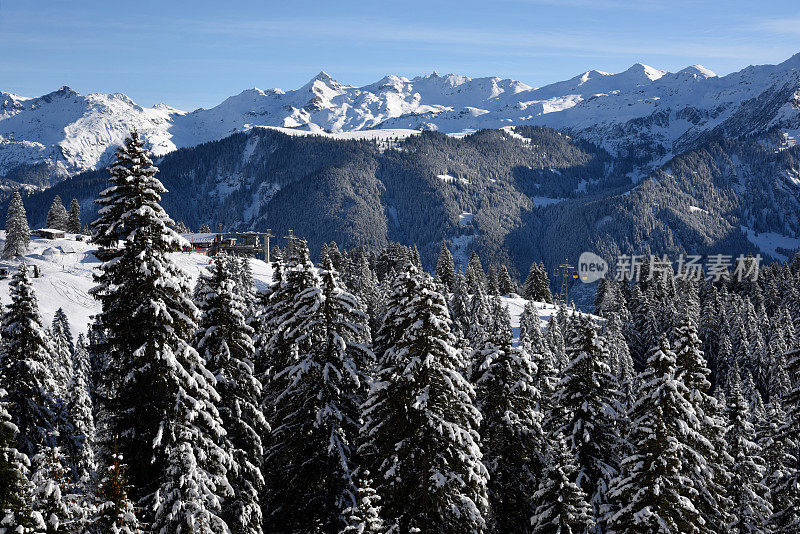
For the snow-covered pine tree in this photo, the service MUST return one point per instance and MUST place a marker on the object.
(530, 326)
(365, 518)
(653, 494)
(16, 490)
(224, 341)
(61, 366)
(74, 217)
(280, 322)
(554, 337)
(787, 513)
(57, 217)
(50, 489)
(639, 330)
(740, 341)
(194, 481)
(81, 416)
(399, 293)
(530, 288)
(476, 278)
(115, 512)
(25, 367)
(415, 258)
(62, 349)
(154, 392)
(336, 256)
(709, 326)
(545, 378)
(459, 305)
(778, 383)
(363, 283)
(321, 403)
(708, 451)
(560, 506)
(119, 201)
(445, 272)
(323, 254)
(588, 396)
(787, 326)
(420, 420)
(777, 455)
(544, 283)
(621, 362)
(18, 233)
(537, 284)
(81, 361)
(511, 428)
(751, 508)
(504, 283)
(752, 395)
(480, 319)
(245, 284)
(724, 361)
(491, 281)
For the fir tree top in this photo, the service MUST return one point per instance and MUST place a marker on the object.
(18, 234)
(25, 365)
(131, 201)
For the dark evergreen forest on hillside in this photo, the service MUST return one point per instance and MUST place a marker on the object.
(361, 394)
(541, 198)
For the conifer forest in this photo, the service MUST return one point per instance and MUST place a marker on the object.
(359, 393)
(489, 272)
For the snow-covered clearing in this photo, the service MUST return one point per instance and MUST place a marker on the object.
(770, 242)
(516, 305)
(545, 201)
(449, 179)
(66, 277)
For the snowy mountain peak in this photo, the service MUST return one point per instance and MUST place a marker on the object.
(323, 85)
(121, 97)
(390, 81)
(645, 71)
(792, 62)
(697, 72)
(72, 133)
(323, 77)
(63, 92)
(590, 75)
(11, 104)
(454, 80)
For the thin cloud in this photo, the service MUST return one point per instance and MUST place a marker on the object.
(783, 26)
(487, 42)
(628, 5)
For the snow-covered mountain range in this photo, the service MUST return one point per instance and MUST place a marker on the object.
(642, 109)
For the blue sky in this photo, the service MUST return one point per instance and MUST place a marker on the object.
(192, 54)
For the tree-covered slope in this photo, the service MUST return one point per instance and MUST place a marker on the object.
(514, 195)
